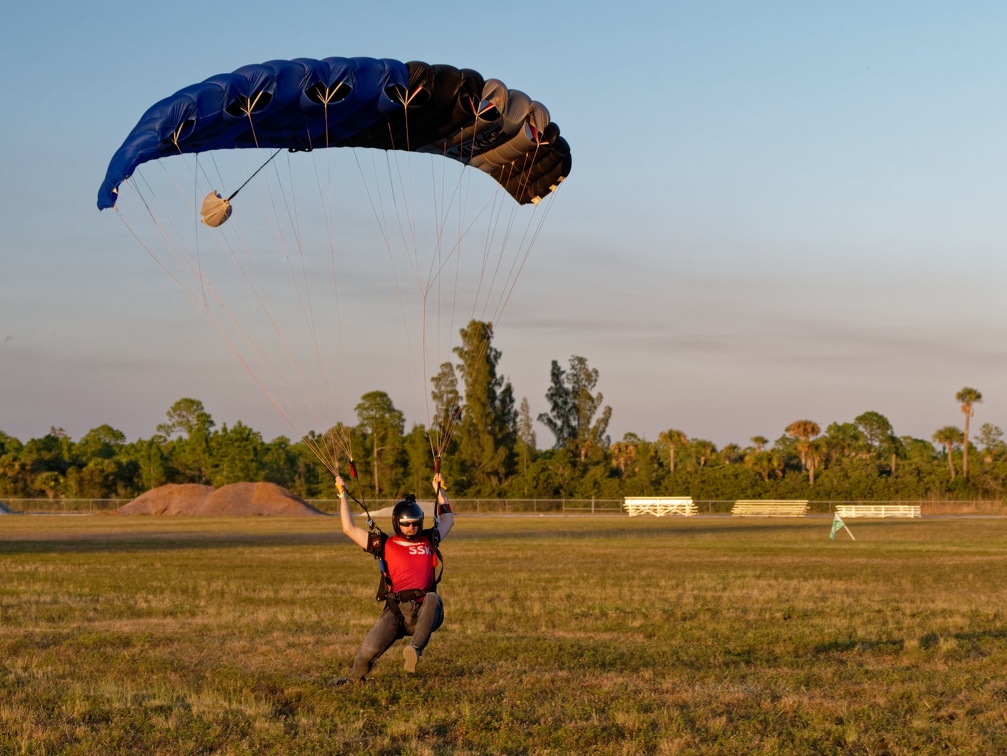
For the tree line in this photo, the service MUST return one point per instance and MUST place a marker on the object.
(492, 450)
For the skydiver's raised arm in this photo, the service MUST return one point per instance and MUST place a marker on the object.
(447, 519)
(355, 533)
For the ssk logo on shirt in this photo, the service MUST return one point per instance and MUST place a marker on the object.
(415, 548)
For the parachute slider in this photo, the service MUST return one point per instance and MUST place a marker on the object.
(215, 209)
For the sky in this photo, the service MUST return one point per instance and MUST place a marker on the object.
(777, 210)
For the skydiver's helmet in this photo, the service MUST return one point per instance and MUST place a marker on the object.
(407, 511)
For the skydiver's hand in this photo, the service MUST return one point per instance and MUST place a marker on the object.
(438, 483)
(340, 484)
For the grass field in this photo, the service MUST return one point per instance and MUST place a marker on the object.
(563, 634)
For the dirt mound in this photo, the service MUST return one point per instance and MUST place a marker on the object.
(235, 499)
(171, 499)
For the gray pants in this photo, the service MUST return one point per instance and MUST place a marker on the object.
(420, 620)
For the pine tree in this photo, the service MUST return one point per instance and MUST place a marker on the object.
(487, 432)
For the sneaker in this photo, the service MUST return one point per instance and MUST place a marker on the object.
(412, 655)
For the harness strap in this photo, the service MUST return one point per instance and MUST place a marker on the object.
(392, 602)
(393, 606)
(407, 595)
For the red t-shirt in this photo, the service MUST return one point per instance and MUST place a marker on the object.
(410, 563)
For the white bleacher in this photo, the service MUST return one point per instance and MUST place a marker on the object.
(878, 510)
(659, 506)
(768, 508)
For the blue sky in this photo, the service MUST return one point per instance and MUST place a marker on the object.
(777, 210)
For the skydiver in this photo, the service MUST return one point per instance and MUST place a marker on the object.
(412, 605)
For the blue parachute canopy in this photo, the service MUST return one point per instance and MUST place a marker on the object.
(306, 104)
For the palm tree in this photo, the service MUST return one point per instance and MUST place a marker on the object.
(804, 431)
(947, 437)
(966, 398)
(703, 450)
(761, 462)
(759, 442)
(623, 454)
(730, 454)
(672, 438)
(816, 449)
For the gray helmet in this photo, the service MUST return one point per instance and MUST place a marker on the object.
(407, 510)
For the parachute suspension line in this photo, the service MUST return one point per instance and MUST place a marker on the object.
(144, 245)
(520, 258)
(528, 242)
(325, 111)
(329, 447)
(254, 283)
(394, 177)
(326, 447)
(195, 227)
(169, 235)
(489, 244)
(235, 192)
(376, 200)
(327, 201)
(457, 202)
(249, 106)
(302, 284)
(455, 254)
(298, 271)
(492, 209)
(299, 277)
(522, 252)
(504, 244)
(440, 437)
(204, 309)
(405, 219)
(326, 96)
(435, 264)
(353, 474)
(407, 230)
(174, 249)
(437, 493)
(527, 248)
(182, 191)
(177, 134)
(220, 178)
(429, 278)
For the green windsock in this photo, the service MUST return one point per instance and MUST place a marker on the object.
(837, 525)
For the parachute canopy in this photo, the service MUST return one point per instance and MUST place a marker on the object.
(306, 104)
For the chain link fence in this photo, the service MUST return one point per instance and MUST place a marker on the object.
(986, 507)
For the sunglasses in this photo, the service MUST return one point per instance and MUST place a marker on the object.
(409, 524)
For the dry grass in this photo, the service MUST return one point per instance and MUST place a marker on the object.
(601, 634)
